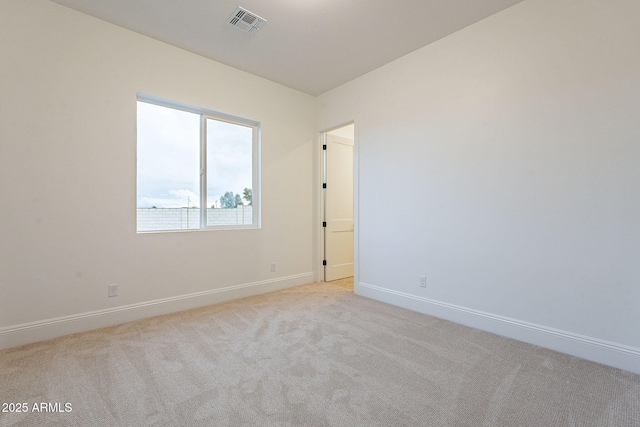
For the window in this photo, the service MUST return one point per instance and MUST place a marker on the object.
(196, 169)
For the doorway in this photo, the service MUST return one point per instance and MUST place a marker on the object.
(338, 202)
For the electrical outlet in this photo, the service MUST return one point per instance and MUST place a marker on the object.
(273, 267)
(423, 281)
(113, 290)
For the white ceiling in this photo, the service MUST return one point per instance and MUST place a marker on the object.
(309, 45)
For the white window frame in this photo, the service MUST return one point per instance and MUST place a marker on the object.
(255, 148)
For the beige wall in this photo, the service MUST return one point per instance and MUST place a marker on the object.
(67, 135)
(516, 144)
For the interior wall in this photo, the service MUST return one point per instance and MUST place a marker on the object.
(502, 162)
(347, 131)
(68, 175)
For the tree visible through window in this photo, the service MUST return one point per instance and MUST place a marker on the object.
(196, 169)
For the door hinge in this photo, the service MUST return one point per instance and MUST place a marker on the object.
(324, 262)
(324, 146)
(324, 223)
(324, 185)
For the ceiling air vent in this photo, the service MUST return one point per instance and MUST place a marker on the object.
(247, 21)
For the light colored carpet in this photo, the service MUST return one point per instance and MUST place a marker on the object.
(346, 283)
(315, 355)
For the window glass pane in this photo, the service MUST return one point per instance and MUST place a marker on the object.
(229, 173)
(168, 160)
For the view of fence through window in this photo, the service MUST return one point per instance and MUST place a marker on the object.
(173, 172)
(165, 219)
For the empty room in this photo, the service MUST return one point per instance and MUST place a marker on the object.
(320, 213)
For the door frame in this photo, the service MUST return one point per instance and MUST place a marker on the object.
(319, 256)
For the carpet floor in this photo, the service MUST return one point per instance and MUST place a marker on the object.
(314, 355)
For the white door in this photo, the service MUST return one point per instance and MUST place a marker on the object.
(338, 208)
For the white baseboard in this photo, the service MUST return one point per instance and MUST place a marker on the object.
(26, 333)
(600, 351)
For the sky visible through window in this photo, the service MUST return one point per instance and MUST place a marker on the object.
(169, 158)
(229, 160)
